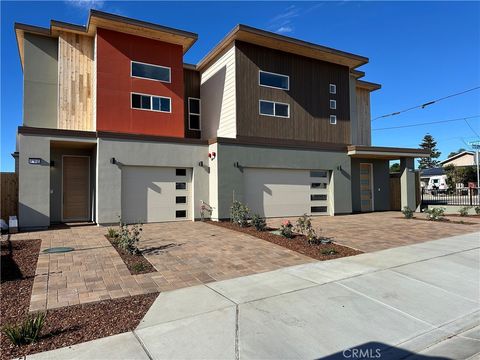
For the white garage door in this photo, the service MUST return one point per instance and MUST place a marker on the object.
(285, 192)
(155, 194)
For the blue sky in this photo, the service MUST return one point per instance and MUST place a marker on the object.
(419, 51)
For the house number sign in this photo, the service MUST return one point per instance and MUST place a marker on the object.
(34, 161)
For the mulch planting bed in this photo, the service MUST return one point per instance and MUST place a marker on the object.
(64, 326)
(137, 264)
(445, 220)
(298, 243)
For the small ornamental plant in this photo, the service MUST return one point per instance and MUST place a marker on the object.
(258, 222)
(436, 214)
(27, 332)
(407, 212)
(128, 237)
(286, 229)
(464, 211)
(239, 214)
(477, 210)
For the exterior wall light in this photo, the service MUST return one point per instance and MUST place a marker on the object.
(200, 164)
(113, 161)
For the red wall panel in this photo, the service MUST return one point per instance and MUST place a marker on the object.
(115, 51)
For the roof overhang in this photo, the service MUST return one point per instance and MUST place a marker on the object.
(367, 85)
(386, 153)
(100, 19)
(283, 43)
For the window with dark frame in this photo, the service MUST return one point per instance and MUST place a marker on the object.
(194, 106)
(181, 200)
(318, 209)
(333, 88)
(318, 185)
(150, 102)
(150, 71)
(181, 172)
(333, 119)
(180, 214)
(319, 173)
(333, 104)
(180, 186)
(314, 197)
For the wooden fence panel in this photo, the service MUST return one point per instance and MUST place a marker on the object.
(8, 195)
(395, 193)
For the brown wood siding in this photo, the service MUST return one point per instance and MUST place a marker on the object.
(308, 96)
(191, 88)
(9, 195)
(75, 79)
(363, 114)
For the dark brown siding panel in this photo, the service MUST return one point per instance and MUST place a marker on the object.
(309, 96)
(191, 89)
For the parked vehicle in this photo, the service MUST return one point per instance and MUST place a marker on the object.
(437, 184)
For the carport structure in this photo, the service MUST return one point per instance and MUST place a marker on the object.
(370, 176)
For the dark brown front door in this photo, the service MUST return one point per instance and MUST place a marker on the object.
(76, 188)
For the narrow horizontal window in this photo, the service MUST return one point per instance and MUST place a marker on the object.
(272, 108)
(194, 113)
(333, 119)
(333, 89)
(181, 172)
(181, 200)
(319, 173)
(151, 72)
(333, 104)
(314, 197)
(181, 214)
(180, 186)
(277, 81)
(318, 209)
(152, 103)
(318, 185)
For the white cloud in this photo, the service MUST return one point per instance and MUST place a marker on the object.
(284, 29)
(87, 4)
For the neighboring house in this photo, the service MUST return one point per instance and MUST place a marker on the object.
(427, 177)
(117, 126)
(465, 158)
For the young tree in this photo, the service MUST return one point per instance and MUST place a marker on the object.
(395, 167)
(429, 143)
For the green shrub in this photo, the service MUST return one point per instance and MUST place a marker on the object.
(464, 210)
(329, 252)
(407, 212)
(477, 210)
(26, 332)
(138, 267)
(259, 222)
(303, 224)
(286, 229)
(129, 236)
(239, 214)
(112, 233)
(436, 214)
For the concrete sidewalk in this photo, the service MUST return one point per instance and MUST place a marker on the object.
(417, 301)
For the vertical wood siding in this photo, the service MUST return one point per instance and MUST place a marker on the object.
(9, 195)
(75, 78)
(191, 89)
(218, 97)
(363, 117)
(308, 96)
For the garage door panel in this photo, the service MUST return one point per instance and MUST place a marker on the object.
(149, 194)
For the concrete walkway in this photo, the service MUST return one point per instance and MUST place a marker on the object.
(417, 301)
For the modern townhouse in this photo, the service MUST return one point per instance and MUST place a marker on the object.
(116, 125)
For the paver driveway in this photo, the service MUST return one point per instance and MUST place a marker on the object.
(383, 230)
(184, 253)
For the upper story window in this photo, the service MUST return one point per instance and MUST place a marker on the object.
(333, 104)
(333, 88)
(272, 80)
(151, 102)
(333, 119)
(194, 113)
(151, 72)
(273, 108)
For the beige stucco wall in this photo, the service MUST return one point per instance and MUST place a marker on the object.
(464, 160)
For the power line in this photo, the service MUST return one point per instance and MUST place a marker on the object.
(471, 128)
(429, 123)
(424, 105)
